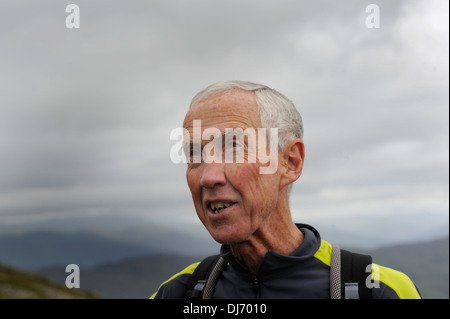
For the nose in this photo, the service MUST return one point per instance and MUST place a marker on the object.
(213, 174)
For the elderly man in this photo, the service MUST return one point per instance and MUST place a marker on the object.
(264, 253)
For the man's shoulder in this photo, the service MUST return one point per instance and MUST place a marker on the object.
(393, 284)
(175, 286)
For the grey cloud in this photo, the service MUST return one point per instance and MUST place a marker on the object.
(86, 114)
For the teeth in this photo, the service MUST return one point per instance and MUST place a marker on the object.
(217, 207)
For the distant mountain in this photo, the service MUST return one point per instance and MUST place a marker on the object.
(15, 284)
(40, 249)
(427, 264)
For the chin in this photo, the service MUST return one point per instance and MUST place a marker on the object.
(225, 236)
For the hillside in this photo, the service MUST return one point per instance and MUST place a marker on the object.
(15, 284)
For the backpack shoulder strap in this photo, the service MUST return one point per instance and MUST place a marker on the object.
(335, 273)
(199, 277)
(348, 275)
(354, 275)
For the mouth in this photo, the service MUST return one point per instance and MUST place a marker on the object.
(217, 207)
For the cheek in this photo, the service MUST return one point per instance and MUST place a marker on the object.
(255, 188)
(190, 178)
(193, 181)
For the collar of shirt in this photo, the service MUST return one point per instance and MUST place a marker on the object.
(273, 263)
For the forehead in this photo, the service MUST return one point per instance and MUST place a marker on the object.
(237, 108)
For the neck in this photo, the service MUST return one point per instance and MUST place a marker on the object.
(278, 233)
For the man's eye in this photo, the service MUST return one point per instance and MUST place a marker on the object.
(195, 156)
(234, 144)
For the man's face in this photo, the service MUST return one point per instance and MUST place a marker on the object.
(233, 200)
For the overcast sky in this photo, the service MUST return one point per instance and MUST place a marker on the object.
(86, 113)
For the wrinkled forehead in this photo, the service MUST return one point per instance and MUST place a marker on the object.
(237, 108)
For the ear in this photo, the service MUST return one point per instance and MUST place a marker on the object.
(293, 156)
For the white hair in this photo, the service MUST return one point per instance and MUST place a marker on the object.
(275, 110)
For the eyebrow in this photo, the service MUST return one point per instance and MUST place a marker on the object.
(231, 132)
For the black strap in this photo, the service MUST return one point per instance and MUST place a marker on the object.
(199, 277)
(354, 275)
